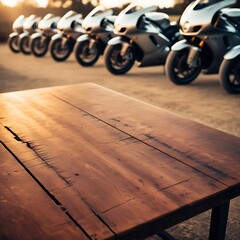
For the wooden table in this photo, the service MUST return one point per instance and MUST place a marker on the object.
(85, 162)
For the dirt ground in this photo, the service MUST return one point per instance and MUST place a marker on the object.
(203, 101)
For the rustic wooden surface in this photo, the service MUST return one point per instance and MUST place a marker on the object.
(26, 210)
(118, 167)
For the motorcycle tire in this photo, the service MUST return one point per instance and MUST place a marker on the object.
(57, 52)
(83, 54)
(230, 75)
(13, 44)
(24, 43)
(115, 63)
(39, 48)
(177, 69)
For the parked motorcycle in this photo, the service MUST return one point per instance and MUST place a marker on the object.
(209, 33)
(30, 26)
(98, 26)
(143, 36)
(47, 27)
(69, 29)
(14, 36)
(230, 67)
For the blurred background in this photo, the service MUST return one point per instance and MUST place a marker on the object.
(11, 9)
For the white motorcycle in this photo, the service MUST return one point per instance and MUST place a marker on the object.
(230, 67)
(209, 33)
(30, 26)
(14, 36)
(47, 27)
(98, 26)
(144, 36)
(69, 29)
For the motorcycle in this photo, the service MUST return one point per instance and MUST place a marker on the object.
(47, 27)
(69, 29)
(230, 66)
(14, 36)
(98, 26)
(30, 26)
(209, 34)
(144, 36)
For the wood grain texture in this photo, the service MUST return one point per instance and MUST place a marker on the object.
(121, 168)
(26, 211)
(37, 162)
(199, 146)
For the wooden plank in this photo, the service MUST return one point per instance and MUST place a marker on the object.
(36, 162)
(26, 210)
(201, 147)
(125, 182)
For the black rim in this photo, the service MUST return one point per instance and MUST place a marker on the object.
(85, 54)
(61, 51)
(39, 46)
(25, 45)
(234, 76)
(181, 69)
(14, 43)
(119, 62)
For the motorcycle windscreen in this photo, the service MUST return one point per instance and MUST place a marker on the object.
(69, 14)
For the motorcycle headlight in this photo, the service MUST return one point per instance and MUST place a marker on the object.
(186, 26)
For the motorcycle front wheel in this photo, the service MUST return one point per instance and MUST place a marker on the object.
(178, 70)
(230, 75)
(39, 46)
(58, 51)
(24, 43)
(13, 44)
(115, 62)
(86, 56)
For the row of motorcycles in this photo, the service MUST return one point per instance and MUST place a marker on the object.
(205, 39)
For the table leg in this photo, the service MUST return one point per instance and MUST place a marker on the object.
(166, 236)
(219, 222)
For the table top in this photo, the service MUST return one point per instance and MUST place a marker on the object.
(83, 160)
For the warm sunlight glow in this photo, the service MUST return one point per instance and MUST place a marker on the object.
(105, 3)
(113, 3)
(166, 4)
(42, 3)
(160, 3)
(10, 3)
(13, 3)
(120, 3)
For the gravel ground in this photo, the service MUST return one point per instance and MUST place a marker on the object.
(203, 101)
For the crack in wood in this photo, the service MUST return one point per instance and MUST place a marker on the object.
(118, 205)
(14, 134)
(148, 144)
(53, 198)
(95, 212)
(186, 155)
(35, 149)
(173, 185)
(43, 156)
(159, 190)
